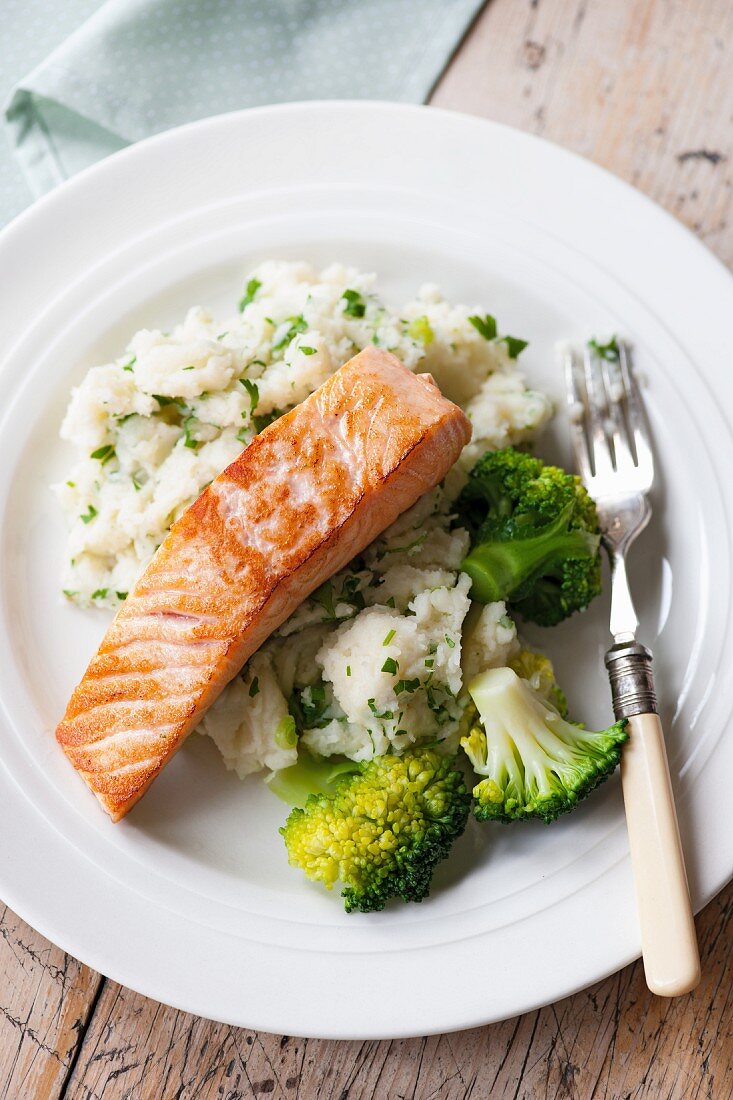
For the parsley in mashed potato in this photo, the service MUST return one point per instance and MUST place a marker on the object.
(377, 662)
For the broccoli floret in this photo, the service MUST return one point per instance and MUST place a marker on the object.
(535, 537)
(380, 830)
(537, 670)
(535, 763)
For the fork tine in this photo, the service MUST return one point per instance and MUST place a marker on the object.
(635, 413)
(619, 432)
(596, 411)
(576, 414)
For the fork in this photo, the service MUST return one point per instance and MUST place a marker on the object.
(614, 458)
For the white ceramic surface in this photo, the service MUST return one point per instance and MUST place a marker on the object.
(190, 899)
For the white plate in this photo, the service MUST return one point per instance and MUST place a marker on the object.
(190, 900)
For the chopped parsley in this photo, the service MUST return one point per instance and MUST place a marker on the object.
(69, 593)
(389, 637)
(253, 392)
(189, 440)
(192, 367)
(307, 350)
(408, 549)
(450, 642)
(429, 662)
(136, 484)
(104, 454)
(263, 421)
(249, 294)
(391, 666)
(131, 364)
(71, 484)
(348, 670)
(100, 594)
(288, 330)
(355, 304)
(324, 596)
(407, 686)
(386, 714)
(121, 595)
(309, 707)
(254, 687)
(485, 326)
(610, 351)
(89, 516)
(514, 345)
(390, 602)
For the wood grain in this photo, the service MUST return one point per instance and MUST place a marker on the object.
(645, 88)
(46, 998)
(642, 87)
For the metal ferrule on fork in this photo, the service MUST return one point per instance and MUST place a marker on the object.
(629, 667)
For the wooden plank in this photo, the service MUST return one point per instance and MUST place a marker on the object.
(612, 1040)
(45, 1001)
(642, 87)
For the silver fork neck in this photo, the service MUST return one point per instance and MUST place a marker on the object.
(624, 620)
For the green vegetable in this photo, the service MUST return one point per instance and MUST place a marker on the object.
(131, 364)
(121, 595)
(514, 345)
(533, 762)
(100, 594)
(89, 515)
(104, 454)
(254, 687)
(307, 350)
(379, 828)
(188, 439)
(390, 665)
(388, 637)
(610, 351)
(485, 326)
(249, 294)
(310, 707)
(261, 422)
(287, 331)
(535, 537)
(355, 304)
(538, 671)
(286, 735)
(420, 329)
(253, 392)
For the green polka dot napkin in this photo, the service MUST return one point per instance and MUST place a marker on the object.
(136, 67)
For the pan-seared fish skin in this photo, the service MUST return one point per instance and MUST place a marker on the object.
(307, 495)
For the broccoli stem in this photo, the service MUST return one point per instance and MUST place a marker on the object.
(499, 569)
(309, 776)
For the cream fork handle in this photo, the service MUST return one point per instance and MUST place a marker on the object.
(669, 943)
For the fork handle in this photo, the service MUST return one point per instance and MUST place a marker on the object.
(669, 943)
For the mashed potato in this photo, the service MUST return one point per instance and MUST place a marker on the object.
(377, 658)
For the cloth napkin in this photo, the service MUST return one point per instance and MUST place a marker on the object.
(137, 67)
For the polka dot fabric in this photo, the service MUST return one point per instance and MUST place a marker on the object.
(136, 67)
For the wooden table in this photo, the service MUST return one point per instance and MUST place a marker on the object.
(644, 87)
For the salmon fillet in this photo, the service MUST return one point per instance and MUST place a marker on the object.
(308, 494)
